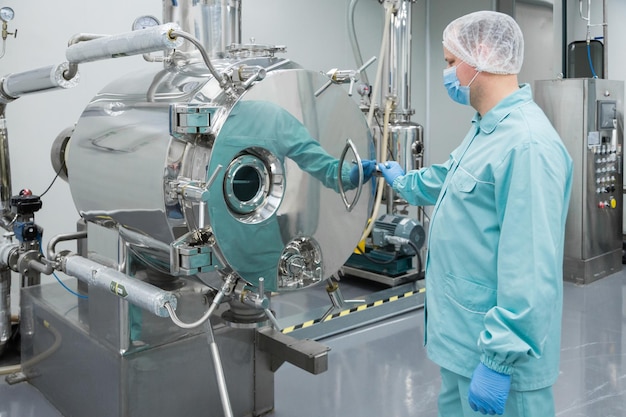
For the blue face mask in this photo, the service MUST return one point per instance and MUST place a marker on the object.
(456, 91)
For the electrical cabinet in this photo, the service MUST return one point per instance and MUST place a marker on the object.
(588, 114)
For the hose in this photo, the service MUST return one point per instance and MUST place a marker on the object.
(379, 70)
(593, 71)
(358, 58)
(380, 185)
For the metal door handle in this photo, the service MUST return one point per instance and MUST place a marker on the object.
(350, 145)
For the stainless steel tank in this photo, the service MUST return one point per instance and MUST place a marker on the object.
(146, 145)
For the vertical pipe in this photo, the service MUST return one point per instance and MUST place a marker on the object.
(219, 371)
(605, 35)
(400, 60)
(5, 308)
(5, 172)
(564, 40)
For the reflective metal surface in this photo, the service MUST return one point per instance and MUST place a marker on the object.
(217, 23)
(593, 235)
(274, 152)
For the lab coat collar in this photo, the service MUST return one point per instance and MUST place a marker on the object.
(492, 119)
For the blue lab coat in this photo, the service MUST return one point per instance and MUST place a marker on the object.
(495, 247)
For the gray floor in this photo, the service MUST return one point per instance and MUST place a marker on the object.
(381, 369)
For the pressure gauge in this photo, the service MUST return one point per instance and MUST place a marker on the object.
(6, 14)
(143, 22)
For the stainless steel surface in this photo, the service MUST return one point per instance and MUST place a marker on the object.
(218, 22)
(399, 59)
(125, 166)
(404, 139)
(306, 354)
(5, 308)
(5, 172)
(156, 378)
(593, 236)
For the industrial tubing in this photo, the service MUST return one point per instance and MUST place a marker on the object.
(134, 291)
(382, 156)
(13, 86)
(137, 42)
(353, 40)
(5, 308)
(6, 216)
(381, 181)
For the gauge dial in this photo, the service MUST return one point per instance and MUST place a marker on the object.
(144, 22)
(6, 14)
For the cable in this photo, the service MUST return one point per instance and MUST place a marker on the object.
(53, 180)
(59, 279)
(417, 254)
(593, 72)
(68, 288)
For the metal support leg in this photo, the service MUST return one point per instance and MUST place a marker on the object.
(338, 303)
(219, 370)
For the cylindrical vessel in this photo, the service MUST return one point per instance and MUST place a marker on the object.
(274, 210)
(399, 59)
(216, 23)
(405, 139)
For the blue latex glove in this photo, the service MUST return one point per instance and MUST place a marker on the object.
(368, 171)
(391, 170)
(488, 390)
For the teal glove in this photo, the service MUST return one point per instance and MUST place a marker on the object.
(488, 390)
(368, 171)
(391, 170)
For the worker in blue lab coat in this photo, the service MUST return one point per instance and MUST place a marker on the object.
(494, 265)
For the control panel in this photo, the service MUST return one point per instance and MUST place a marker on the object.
(607, 156)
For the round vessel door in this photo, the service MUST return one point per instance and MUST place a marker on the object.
(275, 207)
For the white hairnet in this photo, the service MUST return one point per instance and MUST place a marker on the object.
(489, 41)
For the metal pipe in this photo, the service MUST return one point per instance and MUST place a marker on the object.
(226, 287)
(79, 37)
(137, 42)
(605, 35)
(41, 267)
(134, 291)
(224, 84)
(8, 252)
(51, 249)
(399, 60)
(16, 85)
(5, 308)
(219, 371)
(6, 217)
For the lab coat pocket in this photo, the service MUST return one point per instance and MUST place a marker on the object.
(468, 295)
(463, 181)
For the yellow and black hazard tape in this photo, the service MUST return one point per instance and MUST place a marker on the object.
(344, 313)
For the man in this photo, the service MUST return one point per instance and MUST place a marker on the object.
(494, 267)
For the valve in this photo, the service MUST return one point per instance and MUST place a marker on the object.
(346, 76)
(6, 14)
